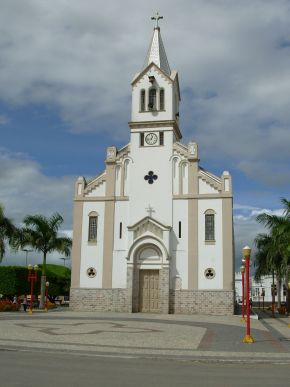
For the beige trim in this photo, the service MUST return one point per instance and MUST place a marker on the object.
(202, 196)
(104, 199)
(193, 244)
(192, 177)
(109, 227)
(228, 248)
(77, 243)
(137, 125)
(209, 242)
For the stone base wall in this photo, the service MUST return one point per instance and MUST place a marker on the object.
(210, 302)
(99, 300)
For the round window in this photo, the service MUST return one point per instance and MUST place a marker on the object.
(209, 273)
(91, 272)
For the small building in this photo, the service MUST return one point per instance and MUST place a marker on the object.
(259, 290)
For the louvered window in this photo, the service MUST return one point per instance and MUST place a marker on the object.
(93, 227)
(209, 227)
(152, 99)
(161, 99)
(142, 101)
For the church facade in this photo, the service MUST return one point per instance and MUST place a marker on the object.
(154, 231)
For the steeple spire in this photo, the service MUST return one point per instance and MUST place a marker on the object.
(156, 52)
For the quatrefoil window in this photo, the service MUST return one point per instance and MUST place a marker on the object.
(209, 273)
(150, 177)
(91, 272)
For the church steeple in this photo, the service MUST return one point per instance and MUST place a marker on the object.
(156, 52)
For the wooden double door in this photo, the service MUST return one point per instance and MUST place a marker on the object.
(149, 291)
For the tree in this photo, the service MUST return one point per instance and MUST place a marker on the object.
(278, 243)
(7, 230)
(41, 234)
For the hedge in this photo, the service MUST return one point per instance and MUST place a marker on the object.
(14, 280)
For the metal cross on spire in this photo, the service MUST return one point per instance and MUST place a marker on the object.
(156, 17)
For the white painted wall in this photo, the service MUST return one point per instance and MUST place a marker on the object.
(92, 255)
(205, 188)
(119, 275)
(100, 190)
(158, 194)
(179, 246)
(210, 256)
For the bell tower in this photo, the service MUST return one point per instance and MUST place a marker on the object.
(155, 93)
(154, 128)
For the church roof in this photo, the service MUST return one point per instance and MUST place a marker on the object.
(156, 53)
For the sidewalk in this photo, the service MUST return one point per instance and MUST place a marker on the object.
(202, 338)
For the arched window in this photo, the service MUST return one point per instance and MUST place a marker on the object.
(142, 101)
(93, 226)
(126, 176)
(161, 100)
(175, 173)
(184, 177)
(152, 99)
(209, 225)
(118, 181)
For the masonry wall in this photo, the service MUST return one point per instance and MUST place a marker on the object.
(98, 300)
(206, 302)
(180, 301)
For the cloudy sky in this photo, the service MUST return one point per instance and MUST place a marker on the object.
(65, 73)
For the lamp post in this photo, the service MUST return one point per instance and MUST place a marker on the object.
(46, 294)
(64, 259)
(247, 253)
(32, 277)
(243, 293)
(27, 251)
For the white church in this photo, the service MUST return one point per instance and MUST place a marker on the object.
(153, 232)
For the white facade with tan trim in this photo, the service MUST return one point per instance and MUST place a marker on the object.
(154, 231)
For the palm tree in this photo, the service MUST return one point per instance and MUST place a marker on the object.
(278, 253)
(41, 234)
(7, 230)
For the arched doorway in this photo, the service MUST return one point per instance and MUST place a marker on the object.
(149, 289)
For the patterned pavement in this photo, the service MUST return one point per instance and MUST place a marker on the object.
(146, 335)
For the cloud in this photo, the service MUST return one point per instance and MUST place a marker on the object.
(4, 120)
(233, 60)
(25, 190)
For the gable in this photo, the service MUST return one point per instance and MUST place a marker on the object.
(208, 183)
(96, 187)
(148, 225)
(151, 66)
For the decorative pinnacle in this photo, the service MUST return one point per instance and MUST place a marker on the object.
(156, 17)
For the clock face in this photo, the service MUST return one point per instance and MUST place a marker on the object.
(151, 138)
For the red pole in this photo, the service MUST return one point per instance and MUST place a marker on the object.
(46, 294)
(248, 295)
(32, 276)
(243, 296)
(247, 252)
(31, 292)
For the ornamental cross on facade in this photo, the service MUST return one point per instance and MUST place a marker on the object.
(150, 210)
(156, 17)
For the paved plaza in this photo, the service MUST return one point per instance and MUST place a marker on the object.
(194, 337)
